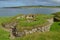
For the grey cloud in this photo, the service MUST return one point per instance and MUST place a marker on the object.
(36, 2)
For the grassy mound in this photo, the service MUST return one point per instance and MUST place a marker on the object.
(40, 19)
(28, 24)
(53, 35)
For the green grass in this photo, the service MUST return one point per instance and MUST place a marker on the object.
(41, 36)
(54, 33)
(40, 19)
(55, 27)
(3, 34)
(5, 19)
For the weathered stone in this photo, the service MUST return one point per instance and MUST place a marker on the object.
(11, 34)
(43, 29)
(30, 32)
(39, 29)
(34, 30)
(20, 34)
(48, 28)
(26, 32)
(29, 16)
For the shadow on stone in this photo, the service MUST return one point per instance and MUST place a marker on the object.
(55, 20)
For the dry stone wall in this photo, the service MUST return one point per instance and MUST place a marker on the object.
(15, 33)
(45, 28)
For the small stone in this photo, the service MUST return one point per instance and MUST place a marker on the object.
(26, 32)
(30, 32)
(42, 29)
(20, 34)
(39, 29)
(33, 30)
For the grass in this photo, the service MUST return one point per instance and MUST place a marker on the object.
(54, 33)
(40, 19)
(5, 19)
(41, 36)
(4, 35)
(55, 27)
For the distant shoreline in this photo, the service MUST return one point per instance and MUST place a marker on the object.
(33, 7)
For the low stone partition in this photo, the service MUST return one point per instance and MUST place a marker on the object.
(43, 28)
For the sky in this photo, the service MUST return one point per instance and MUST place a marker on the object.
(10, 3)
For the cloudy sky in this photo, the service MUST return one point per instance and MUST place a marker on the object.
(8, 3)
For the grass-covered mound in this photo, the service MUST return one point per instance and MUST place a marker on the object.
(53, 35)
(39, 19)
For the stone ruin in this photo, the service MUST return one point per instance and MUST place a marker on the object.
(14, 33)
(29, 17)
(39, 28)
(11, 27)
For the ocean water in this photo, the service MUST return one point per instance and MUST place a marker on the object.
(15, 11)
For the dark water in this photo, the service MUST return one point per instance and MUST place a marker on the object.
(14, 11)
